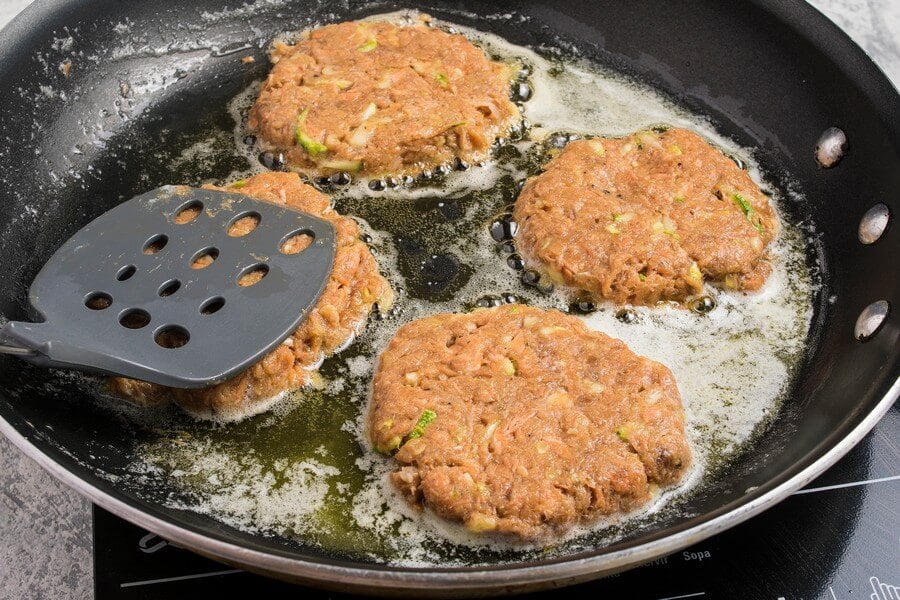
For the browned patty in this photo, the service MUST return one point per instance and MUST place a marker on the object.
(645, 218)
(353, 287)
(538, 423)
(382, 99)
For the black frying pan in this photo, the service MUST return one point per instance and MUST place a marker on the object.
(772, 74)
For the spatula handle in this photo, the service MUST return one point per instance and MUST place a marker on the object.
(12, 346)
(15, 350)
(42, 345)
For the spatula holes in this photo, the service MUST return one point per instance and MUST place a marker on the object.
(252, 275)
(204, 258)
(169, 288)
(98, 300)
(243, 224)
(172, 336)
(297, 242)
(155, 244)
(126, 272)
(188, 213)
(134, 318)
(213, 305)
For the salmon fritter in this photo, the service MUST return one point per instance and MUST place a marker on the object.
(382, 99)
(646, 218)
(523, 422)
(353, 288)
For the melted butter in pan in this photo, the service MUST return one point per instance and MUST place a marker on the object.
(305, 471)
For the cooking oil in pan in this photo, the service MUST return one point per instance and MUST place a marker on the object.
(305, 471)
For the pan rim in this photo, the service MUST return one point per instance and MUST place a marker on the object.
(397, 578)
(805, 18)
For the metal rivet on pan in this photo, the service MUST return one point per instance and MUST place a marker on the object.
(870, 320)
(831, 147)
(874, 223)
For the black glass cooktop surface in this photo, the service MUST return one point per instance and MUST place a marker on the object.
(837, 539)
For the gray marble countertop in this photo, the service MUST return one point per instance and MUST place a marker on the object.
(45, 528)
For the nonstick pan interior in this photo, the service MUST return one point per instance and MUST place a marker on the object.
(145, 81)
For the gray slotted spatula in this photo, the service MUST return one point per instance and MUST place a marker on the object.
(123, 296)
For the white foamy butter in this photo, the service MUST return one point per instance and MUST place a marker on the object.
(733, 365)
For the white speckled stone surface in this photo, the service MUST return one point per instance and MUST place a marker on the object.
(45, 528)
(874, 25)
